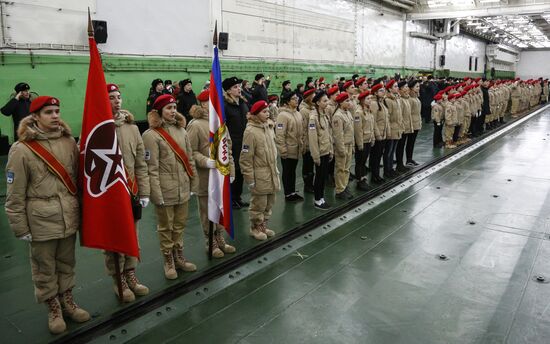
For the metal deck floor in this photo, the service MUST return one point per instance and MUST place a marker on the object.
(258, 308)
(379, 278)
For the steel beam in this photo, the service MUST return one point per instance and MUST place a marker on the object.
(480, 12)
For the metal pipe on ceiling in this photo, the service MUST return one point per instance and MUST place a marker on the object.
(397, 4)
(480, 12)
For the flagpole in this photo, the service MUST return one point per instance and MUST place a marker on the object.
(210, 223)
(116, 256)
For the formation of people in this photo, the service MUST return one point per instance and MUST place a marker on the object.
(325, 125)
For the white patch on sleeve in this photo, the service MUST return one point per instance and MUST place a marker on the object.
(147, 155)
(10, 176)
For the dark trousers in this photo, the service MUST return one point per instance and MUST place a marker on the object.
(289, 175)
(361, 157)
(426, 113)
(400, 150)
(411, 140)
(438, 134)
(237, 186)
(321, 173)
(376, 156)
(456, 132)
(307, 170)
(388, 154)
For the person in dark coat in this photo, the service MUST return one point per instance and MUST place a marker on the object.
(156, 90)
(485, 107)
(18, 106)
(168, 87)
(186, 98)
(287, 89)
(259, 89)
(235, 116)
(246, 91)
(428, 90)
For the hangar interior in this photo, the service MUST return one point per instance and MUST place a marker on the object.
(454, 251)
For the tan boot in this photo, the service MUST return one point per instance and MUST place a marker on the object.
(181, 262)
(169, 267)
(216, 251)
(127, 294)
(133, 283)
(74, 312)
(225, 247)
(256, 232)
(267, 231)
(56, 324)
(449, 145)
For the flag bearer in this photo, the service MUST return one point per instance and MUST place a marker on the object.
(173, 177)
(43, 209)
(259, 167)
(133, 154)
(199, 133)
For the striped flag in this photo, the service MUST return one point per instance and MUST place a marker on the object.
(219, 184)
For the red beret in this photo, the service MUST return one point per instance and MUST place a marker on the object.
(466, 78)
(273, 98)
(347, 84)
(162, 101)
(517, 79)
(376, 87)
(258, 106)
(359, 81)
(321, 79)
(390, 84)
(477, 79)
(438, 96)
(463, 93)
(204, 96)
(309, 92)
(112, 88)
(332, 90)
(42, 101)
(341, 97)
(451, 96)
(447, 89)
(363, 95)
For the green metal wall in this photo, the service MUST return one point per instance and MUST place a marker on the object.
(65, 77)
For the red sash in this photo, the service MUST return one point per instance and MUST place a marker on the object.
(132, 183)
(180, 153)
(53, 164)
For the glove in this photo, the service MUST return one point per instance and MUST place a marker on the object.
(432, 103)
(144, 201)
(210, 163)
(251, 186)
(231, 179)
(317, 162)
(26, 237)
(192, 193)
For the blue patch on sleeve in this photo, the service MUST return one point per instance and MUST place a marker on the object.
(10, 176)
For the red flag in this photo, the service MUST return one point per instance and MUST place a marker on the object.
(107, 220)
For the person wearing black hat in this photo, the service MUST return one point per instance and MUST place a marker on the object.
(246, 91)
(18, 106)
(259, 88)
(186, 98)
(235, 117)
(168, 87)
(300, 93)
(157, 86)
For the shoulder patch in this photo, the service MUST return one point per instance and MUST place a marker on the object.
(147, 155)
(245, 148)
(311, 126)
(280, 125)
(357, 118)
(10, 176)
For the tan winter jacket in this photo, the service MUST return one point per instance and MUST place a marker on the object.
(437, 113)
(170, 183)
(407, 114)
(363, 124)
(289, 134)
(381, 120)
(320, 137)
(342, 131)
(133, 151)
(396, 116)
(198, 131)
(259, 158)
(37, 201)
(416, 106)
(451, 117)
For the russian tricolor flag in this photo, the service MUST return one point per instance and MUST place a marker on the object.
(219, 184)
